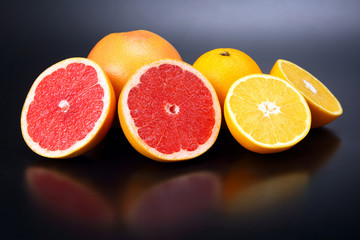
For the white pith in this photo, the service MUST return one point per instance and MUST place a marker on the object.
(269, 108)
(30, 97)
(172, 108)
(310, 86)
(129, 122)
(64, 105)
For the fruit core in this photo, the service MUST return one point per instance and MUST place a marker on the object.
(64, 105)
(269, 108)
(172, 109)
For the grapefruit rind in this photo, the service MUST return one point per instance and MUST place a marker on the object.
(101, 126)
(320, 115)
(130, 130)
(244, 138)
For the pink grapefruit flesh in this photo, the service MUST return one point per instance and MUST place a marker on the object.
(171, 110)
(65, 108)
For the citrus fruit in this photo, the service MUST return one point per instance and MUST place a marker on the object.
(169, 111)
(120, 55)
(324, 107)
(69, 108)
(223, 66)
(266, 114)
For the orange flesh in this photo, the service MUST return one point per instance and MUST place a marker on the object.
(270, 112)
(313, 89)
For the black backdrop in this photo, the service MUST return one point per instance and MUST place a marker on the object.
(321, 36)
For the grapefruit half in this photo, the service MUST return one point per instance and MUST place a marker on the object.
(68, 110)
(169, 111)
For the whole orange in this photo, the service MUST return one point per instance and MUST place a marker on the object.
(120, 55)
(223, 66)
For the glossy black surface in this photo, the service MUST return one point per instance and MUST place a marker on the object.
(308, 192)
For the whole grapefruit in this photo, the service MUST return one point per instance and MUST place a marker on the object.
(120, 55)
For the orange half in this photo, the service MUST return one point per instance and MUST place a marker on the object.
(324, 106)
(266, 114)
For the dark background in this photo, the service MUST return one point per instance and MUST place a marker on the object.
(308, 192)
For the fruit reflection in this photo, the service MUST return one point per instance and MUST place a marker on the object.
(261, 194)
(68, 198)
(257, 183)
(162, 206)
(155, 198)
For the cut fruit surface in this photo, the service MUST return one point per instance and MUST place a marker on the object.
(324, 107)
(69, 108)
(169, 111)
(266, 114)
